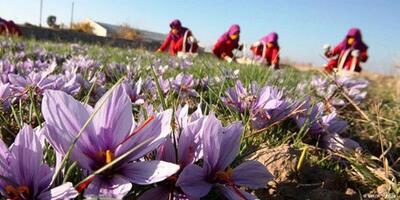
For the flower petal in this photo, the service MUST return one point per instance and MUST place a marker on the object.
(43, 178)
(335, 142)
(61, 143)
(62, 192)
(148, 172)
(114, 119)
(182, 116)
(158, 129)
(190, 143)
(3, 155)
(68, 116)
(251, 174)
(25, 157)
(17, 80)
(231, 140)
(115, 187)
(193, 182)
(166, 151)
(212, 141)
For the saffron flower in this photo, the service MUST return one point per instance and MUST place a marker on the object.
(189, 150)
(269, 107)
(151, 88)
(23, 175)
(134, 91)
(111, 133)
(220, 147)
(184, 84)
(327, 128)
(37, 81)
(238, 98)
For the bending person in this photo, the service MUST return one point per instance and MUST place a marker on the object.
(348, 54)
(227, 42)
(179, 39)
(267, 49)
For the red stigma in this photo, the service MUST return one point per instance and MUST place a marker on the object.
(142, 126)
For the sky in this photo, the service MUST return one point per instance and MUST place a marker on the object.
(304, 26)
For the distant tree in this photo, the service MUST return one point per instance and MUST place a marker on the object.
(83, 27)
(126, 32)
(51, 21)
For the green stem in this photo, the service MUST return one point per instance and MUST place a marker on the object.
(34, 108)
(15, 116)
(160, 93)
(70, 171)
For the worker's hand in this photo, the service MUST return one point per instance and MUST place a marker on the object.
(228, 59)
(327, 50)
(158, 51)
(355, 53)
(326, 47)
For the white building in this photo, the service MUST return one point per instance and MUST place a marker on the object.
(108, 30)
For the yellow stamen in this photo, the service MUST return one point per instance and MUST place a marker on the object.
(109, 156)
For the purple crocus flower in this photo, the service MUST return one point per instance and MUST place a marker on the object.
(181, 63)
(238, 98)
(134, 91)
(39, 82)
(184, 84)
(164, 85)
(81, 63)
(6, 67)
(150, 86)
(328, 90)
(161, 69)
(220, 147)
(68, 83)
(23, 173)
(189, 150)
(183, 118)
(270, 107)
(354, 87)
(111, 133)
(204, 83)
(328, 129)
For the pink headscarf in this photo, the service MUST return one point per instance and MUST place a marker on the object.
(176, 23)
(232, 30)
(358, 43)
(272, 37)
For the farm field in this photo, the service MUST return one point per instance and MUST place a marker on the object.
(103, 122)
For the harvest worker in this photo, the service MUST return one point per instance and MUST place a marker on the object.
(268, 49)
(179, 39)
(228, 41)
(9, 28)
(348, 54)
